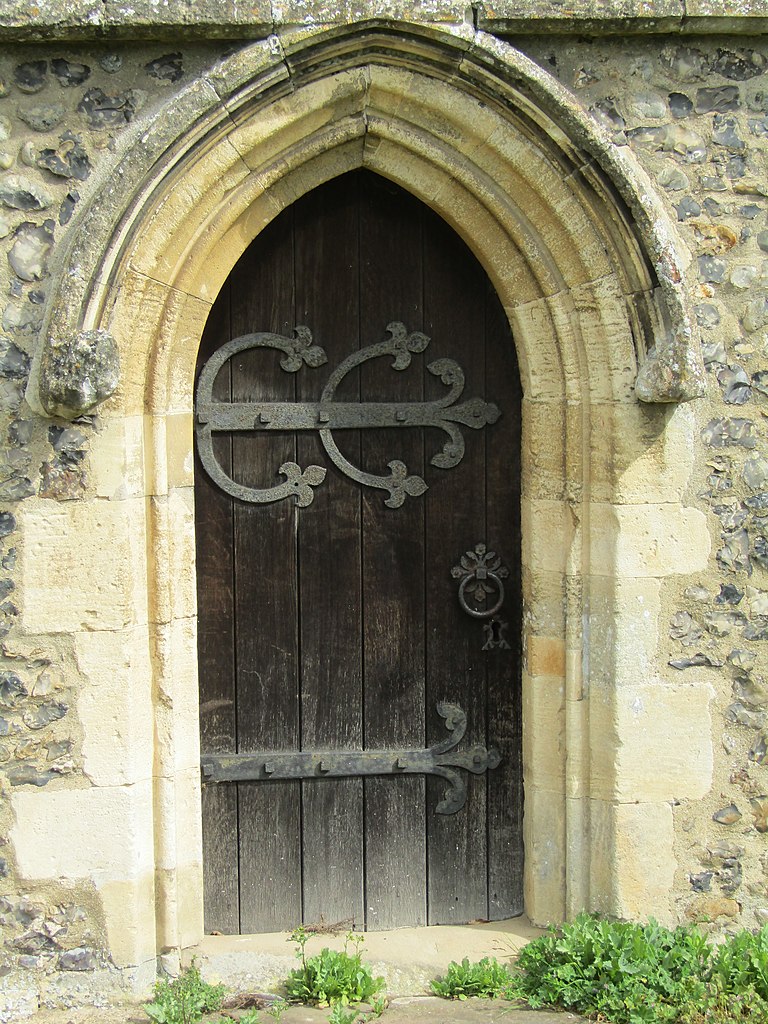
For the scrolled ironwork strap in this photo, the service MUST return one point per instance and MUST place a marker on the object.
(329, 415)
(440, 759)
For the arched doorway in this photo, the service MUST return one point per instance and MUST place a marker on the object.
(337, 626)
(592, 278)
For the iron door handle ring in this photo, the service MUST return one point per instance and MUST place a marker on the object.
(486, 613)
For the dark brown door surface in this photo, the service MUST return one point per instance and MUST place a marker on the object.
(337, 625)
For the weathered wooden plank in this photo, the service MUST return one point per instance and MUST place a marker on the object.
(266, 645)
(393, 564)
(454, 306)
(215, 655)
(326, 275)
(505, 785)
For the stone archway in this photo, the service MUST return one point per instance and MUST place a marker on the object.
(587, 267)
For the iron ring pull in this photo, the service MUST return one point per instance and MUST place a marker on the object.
(486, 613)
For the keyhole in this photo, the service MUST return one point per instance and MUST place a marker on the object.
(495, 631)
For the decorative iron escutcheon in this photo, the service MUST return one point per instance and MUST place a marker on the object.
(481, 573)
(329, 415)
(439, 759)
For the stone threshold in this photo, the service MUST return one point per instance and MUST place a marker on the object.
(408, 958)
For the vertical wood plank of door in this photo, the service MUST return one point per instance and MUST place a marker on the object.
(393, 565)
(326, 278)
(457, 848)
(505, 784)
(266, 599)
(215, 656)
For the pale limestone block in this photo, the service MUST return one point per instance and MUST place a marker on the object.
(100, 833)
(622, 627)
(177, 219)
(578, 744)
(609, 343)
(541, 362)
(172, 555)
(546, 201)
(285, 125)
(545, 427)
(137, 311)
(596, 341)
(549, 532)
(174, 661)
(177, 810)
(178, 831)
(544, 603)
(117, 457)
(545, 656)
(83, 565)
(545, 855)
(169, 389)
(652, 742)
(129, 910)
(158, 330)
(156, 456)
(521, 269)
(189, 886)
(641, 453)
(170, 455)
(179, 450)
(544, 731)
(404, 95)
(633, 860)
(647, 540)
(115, 706)
(339, 150)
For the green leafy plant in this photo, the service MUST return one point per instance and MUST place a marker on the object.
(487, 979)
(276, 1009)
(185, 999)
(331, 976)
(629, 973)
(341, 1014)
(251, 1016)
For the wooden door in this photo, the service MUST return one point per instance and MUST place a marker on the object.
(337, 625)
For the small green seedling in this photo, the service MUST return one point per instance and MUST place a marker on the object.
(341, 1014)
(331, 976)
(486, 979)
(276, 1009)
(251, 1016)
(185, 999)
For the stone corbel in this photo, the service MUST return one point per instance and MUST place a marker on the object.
(673, 368)
(77, 373)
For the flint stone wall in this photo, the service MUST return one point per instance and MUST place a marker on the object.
(685, 87)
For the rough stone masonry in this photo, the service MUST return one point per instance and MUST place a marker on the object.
(683, 87)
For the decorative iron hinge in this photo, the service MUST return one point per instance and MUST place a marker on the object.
(328, 415)
(320, 764)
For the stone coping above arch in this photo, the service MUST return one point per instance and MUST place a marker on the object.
(231, 116)
(174, 19)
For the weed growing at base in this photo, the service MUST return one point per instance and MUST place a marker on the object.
(185, 999)
(331, 977)
(486, 979)
(645, 974)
